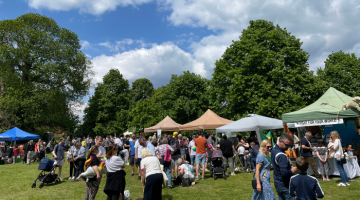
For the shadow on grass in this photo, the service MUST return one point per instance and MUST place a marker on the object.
(167, 197)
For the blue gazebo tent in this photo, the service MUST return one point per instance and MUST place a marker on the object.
(17, 134)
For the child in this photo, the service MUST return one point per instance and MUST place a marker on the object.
(10, 153)
(247, 161)
(303, 186)
(241, 154)
(68, 156)
(15, 154)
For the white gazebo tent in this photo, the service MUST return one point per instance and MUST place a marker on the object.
(252, 122)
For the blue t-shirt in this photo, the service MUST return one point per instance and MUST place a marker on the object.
(132, 146)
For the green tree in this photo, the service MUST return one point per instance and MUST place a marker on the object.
(113, 104)
(42, 70)
(266, 72)
(342, 71)
(142, 89)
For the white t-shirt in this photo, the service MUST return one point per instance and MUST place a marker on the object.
(187, 171)
(151, 164)
(101, 151)
(117, 140)
(139, 148)
(241, 150)
(114, 164)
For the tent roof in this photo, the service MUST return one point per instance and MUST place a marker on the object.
(252, 122)
(167, 124)
(326, 107)
(17, 134)
(209, 120)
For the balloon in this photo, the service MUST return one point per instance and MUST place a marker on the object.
(21, 147)
(194, 148)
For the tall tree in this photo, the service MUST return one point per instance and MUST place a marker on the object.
(42, 70)
(342, 71)
(113, 104)
(266, 72)
(142, 89)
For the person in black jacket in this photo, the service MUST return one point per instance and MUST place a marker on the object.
(174, 143)
(228, 151)
(31, 151)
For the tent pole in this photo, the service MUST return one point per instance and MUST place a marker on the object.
(298, 130)
(258, 136)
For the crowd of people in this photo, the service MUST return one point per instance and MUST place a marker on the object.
(175, 159)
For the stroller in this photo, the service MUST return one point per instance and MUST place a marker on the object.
(45, 166)
(217, 164)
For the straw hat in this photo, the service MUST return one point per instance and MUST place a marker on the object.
(350, 148)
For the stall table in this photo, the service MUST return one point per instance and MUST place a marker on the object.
(351, 167)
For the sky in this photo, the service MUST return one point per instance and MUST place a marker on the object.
(156, 38)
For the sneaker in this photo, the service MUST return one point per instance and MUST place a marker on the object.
(341, 184)
(226, 174)
(132, 174)
(202, 178)
(193, 183)
(60, 179)
(73, 177)
(233, 174)
(171, 187)
(206, 170)
(70, 178)
(347, 183)
(139, 178)
(197, 178)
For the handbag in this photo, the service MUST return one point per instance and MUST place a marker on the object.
(165, 178)
(254, 182)
(167, 156)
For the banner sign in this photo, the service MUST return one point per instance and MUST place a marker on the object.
(2, 144)
(319, 122)
(159, 133)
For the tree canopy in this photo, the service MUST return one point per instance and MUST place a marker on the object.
(142, 89)
(265, 72)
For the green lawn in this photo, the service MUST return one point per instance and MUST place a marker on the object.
(16, 180)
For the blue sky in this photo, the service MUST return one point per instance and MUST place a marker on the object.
(157, 38)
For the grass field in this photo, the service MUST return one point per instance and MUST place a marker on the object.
(16, 180)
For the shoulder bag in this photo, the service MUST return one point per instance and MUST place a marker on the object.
(254, 182)
(167, 156)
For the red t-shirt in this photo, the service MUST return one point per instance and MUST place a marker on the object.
(16, 152)
(200, 144)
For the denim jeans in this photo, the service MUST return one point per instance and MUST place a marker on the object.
(167, 170)
(87, 146)
(253, 163)
(283, 193)
(200, 158)
(192, 159)
(343, 175)
(209, 161)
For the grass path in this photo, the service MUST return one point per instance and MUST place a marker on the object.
(16, 180)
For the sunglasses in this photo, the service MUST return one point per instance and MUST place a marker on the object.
(287, 145)
(269, 147)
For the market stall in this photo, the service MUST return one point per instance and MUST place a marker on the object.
(17, 134)
(209, 120)
(167, 124)
(327, 112)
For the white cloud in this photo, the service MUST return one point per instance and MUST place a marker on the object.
(95, 7)
(85, 44)
(156, 63)
(120, 45)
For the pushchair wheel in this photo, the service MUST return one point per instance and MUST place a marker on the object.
(214, 176)
(41, 185)
(33, 185)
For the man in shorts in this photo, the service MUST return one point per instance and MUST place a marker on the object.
(138, 148)
(132, 153)
(58, 154)
(200, 144)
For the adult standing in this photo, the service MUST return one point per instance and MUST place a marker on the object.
(339, 156)
(37, 151)
(200, 144)
(41, 151)
(175, 156)
(151, 171)
(132, 154)
(58, 154)
(92, 185)
(30, 149)
(79, 160)
(167, 165)
(322, 153)
(228, 151)
(73, 153)
(254, 151)
(115, 176)
(282, 168)
(263, 189)
(87, 143)
(211, 147)
(25, 152)
(306, 152)
(126, 146)
(191, 151)
(183, 146)
(106, 143)
(138, 148)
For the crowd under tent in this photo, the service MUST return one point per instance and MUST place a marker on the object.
(209, 120)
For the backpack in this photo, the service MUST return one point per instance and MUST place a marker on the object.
(175, 146)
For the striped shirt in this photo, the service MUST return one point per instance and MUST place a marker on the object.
(161, 149)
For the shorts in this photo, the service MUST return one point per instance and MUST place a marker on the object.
(132, 160)
(174, 159)
(138, 161)
(200, 158)
(183, 153)
(60, 163)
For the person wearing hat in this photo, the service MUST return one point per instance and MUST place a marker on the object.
(174, 143)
